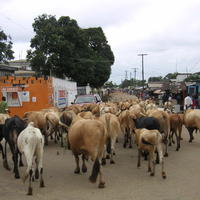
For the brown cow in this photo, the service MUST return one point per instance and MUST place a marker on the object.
(163, 118)
(192, 121)
(150, 140)
(175, 126)
(87, 138)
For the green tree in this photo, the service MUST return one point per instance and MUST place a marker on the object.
(171, 75)
(62, 48)
(193, 77)
(6, 52)
(110, 84)
(155, 78)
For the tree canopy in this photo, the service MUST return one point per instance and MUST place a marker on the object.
(61, 48)
(155, 78)
(6, 52)
(193, 77)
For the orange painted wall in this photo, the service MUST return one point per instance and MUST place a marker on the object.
(37, 87)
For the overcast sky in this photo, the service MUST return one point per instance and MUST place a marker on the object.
(167, 30)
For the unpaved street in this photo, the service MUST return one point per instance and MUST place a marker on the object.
(123, 180)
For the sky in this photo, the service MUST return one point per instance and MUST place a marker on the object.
(167, 30)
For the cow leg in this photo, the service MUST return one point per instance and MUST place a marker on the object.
(149, 163)
(14, 150)
(152, 160)
(101, 181)
(46, 140)
(1, 149)
(77, 170)
(170, 138)
(103, 160)
(84, 167)
(190, 130)
(166, 146)
(130, 140)
(20, 160)
(5, 161)
(139, 156)
(177, 141)
(30, 190)
(113, 141)
(125, 140)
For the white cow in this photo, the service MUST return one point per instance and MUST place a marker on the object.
(31, 143)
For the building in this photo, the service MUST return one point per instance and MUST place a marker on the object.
(26, 94)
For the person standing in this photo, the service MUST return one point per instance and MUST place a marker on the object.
(188, 102)
(3, 106)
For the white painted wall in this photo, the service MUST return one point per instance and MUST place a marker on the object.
(64, 92)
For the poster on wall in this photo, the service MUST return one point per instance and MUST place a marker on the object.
(62, 98)
(25, 95)
(14, 99)
(34, 99)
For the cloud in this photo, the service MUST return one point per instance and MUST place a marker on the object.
(169, 31)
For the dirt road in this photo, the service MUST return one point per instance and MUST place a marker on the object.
(123, 180)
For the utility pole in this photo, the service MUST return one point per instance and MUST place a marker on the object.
(135, 71)
(130, 75)
(142, 55)
(126, 75)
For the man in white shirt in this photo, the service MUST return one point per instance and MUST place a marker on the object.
(187, 103)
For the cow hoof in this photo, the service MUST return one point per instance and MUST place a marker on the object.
(92, 179)
(190, 141)
(166, 155)
(177, 149)
(107, 156)
(42, 184)
(102, 185)
(36, 174)
(152, 174)
(170, 144)
(17, 176)
(130, 146)
(84, 169)
(114, 153)
(124, 145)
(164, 175)
(77, 171)
(33, 179)
(112, 162)
(103, 161)
(181, 138)
(30, 191)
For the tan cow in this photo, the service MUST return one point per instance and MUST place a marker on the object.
(164, 121)
(192, 121)
(150, 140)
(87, 138)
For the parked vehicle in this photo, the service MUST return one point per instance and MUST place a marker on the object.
(88, 98)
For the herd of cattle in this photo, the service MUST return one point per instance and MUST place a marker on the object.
(92, 130)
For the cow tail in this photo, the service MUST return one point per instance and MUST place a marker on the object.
(108, 146)
(95, 171)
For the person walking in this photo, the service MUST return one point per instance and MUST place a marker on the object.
(3, 106)
(188, 102)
